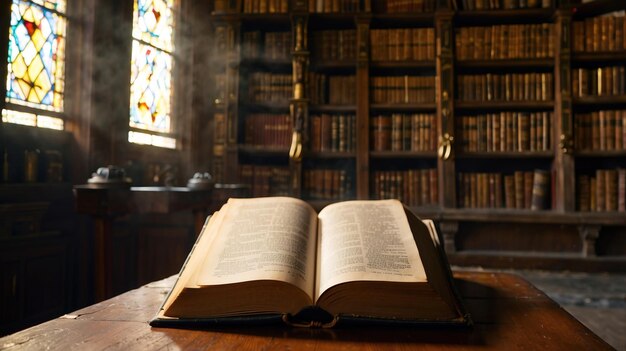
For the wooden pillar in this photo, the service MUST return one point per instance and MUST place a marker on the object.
(445, 108)
(362, 106)
(565, 190)
(299, 106)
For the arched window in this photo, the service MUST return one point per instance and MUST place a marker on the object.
(151, 73)
(36, 64)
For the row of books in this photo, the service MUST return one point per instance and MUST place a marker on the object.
(505, 41)
(401, 6)
(414, 187)
(603, 191)
(506, 131)
(601, 130)
(329, 6)
(404, 132)
(327, 184)
(477, 5)
(608, 80)
(266, 180)
(333, 133)
(506, 87)
(402, 89)
(604, 33)
(402, 44)
(330, 89)
(334, 44)
(270, 130)
(270, 45)
(270, 87)
(265, 6)
(520, 190)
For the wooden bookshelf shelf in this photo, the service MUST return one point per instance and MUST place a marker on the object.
(423, 107)
(498, 64)
(504, 215)
(262, 151)
(406, 19)
(333, 108)
(605, 102)
(402, 64)
(266, 107)
(402, 154)
(504, 16)
(330, 155)
(506, 154)
(333, 66)
(597, 8)
(504, 105)
(332, 20)
(606, 57)
(260, 20)
(600, 153)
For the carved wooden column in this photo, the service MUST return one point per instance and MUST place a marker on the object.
(232, 100)
(226, 73)
(362, 106)
(299, 106)
(445, 109)
(589, 235)
(563, 136)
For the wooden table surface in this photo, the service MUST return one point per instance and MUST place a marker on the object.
(508, 313)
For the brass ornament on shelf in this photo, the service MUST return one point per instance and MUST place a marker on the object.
(566, 143)
(295, 151)
(444, 150)
(298, 115)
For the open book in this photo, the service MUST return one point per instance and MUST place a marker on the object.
(275, 258)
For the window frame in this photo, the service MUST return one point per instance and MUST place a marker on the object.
(4, 72)
(174, 116)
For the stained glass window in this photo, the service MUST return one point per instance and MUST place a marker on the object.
(151, 71)
(36, 54)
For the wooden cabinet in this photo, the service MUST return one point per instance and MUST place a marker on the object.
(467, 113)
(36, 254)
(38, 231)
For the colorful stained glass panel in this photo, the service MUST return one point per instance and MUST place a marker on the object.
(154, 22)
(36, 55)
(150, 88)
(57, 5)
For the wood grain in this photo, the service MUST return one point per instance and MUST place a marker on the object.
(508, 312)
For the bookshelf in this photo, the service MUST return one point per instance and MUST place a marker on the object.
(493, 108)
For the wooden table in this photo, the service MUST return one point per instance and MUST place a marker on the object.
(508, 313)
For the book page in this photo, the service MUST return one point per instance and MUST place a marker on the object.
(263, 239)
(190, 269)
(366, 240)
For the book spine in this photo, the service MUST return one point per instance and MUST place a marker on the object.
(600, 191)
(610, 189)
(381, 133)
(584, 193)
(541, 181)
(528, 189)
(519, 189)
